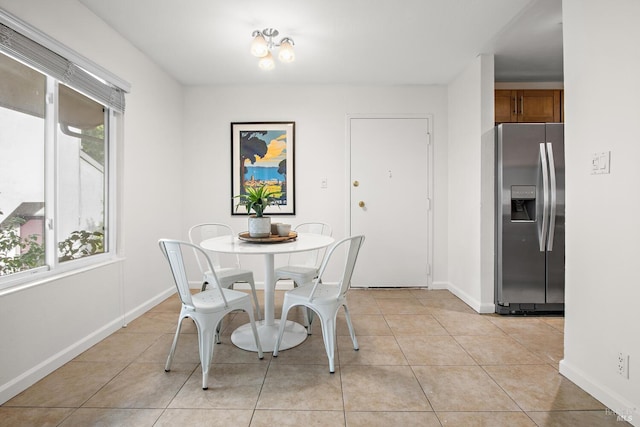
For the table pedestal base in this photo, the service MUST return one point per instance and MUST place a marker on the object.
(294, 334)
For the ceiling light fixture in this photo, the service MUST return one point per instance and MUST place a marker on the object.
(263, 44)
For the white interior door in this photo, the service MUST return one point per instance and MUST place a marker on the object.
(389, 203)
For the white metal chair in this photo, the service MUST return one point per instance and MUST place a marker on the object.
(226, 266)
(303, 267)
(325, 299)
(206, 308)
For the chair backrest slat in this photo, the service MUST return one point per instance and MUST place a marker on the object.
(352, 256)
(174, 253)
(310, 258)
(354, 243)
(209, 230)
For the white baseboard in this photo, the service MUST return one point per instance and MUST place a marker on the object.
(141, 309)
(470, 301)
(479, 306)
(41, 370)
(281, 285)
(625, 410)
(439, 285)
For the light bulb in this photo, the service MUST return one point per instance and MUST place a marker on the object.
(259, 46)
(286, 53)
(266, 62)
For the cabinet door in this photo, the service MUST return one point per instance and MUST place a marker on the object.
(505, 104)
(538, 106)
(529, 106)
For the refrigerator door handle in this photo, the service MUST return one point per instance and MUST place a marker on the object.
(552, 204)
(542, 238)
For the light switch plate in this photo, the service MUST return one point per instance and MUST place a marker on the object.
(601, 163)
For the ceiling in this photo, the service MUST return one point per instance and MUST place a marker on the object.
(206, 42)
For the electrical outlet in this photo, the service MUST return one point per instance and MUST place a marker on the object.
(623, 365)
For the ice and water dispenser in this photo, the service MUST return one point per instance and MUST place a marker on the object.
(523, 203)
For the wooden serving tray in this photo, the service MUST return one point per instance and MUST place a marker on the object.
(274, 238)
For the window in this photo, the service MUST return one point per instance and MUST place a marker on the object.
(57, 123)
(22, 166)
(81, 176)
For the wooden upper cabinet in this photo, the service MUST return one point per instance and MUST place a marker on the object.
(505, 101)
(528, 106)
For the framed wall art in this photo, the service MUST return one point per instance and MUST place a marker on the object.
(262, 153)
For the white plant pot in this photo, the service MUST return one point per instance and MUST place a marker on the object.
(259, 226)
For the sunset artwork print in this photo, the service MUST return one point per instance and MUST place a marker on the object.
(262, 155)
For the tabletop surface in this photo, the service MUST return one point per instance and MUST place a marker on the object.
(233, 245)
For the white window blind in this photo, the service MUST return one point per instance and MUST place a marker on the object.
(34, 54)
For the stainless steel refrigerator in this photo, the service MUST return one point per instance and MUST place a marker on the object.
(530, 218)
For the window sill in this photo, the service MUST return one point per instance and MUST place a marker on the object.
(30, 281)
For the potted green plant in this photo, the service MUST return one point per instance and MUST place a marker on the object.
(257, 199)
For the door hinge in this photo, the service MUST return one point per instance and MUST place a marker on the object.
(428, 138)
(428, 269)
(428, 203)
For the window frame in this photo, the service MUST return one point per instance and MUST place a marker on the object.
(113, 135)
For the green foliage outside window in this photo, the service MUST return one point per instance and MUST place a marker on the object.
(31, 253)
(79, 244)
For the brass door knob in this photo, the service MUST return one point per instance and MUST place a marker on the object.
(361, 204)
(356, 183)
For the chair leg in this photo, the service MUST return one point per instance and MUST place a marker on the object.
(329, 337)
(167, 366)
(310, 315)
(352, 332)
(218, 329)
(255, 300)
(205, 343)
(283, 323)
(249, 311)
(307, 314)
(306, 318)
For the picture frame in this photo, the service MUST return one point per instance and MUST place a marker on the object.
(264, 153)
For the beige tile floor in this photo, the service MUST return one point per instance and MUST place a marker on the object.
(425, 359)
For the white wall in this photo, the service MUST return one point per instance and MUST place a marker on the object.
(44, 326)
(487, 185)
(166, 187)
(468, 122)
(320, 113)
(602, 87)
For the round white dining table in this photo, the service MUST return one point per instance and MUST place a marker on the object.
(294, 333)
